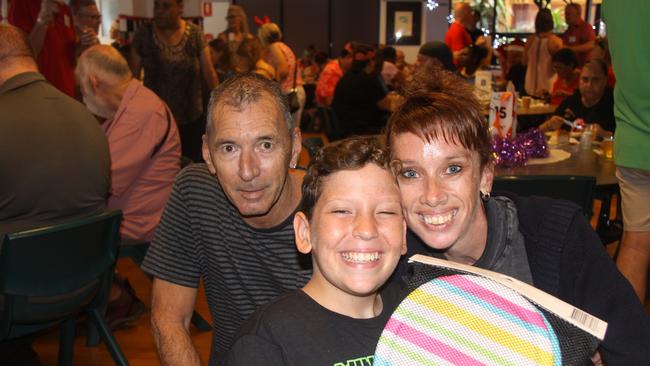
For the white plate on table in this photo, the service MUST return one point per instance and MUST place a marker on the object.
(555, 155)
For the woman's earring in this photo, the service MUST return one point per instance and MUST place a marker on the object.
(485, 196)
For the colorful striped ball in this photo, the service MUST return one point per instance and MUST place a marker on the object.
(467, 320)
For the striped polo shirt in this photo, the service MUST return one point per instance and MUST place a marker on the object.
(202, 236)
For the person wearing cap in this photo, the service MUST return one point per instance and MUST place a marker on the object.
(435, 53)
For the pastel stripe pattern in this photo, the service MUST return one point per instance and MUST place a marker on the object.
(467, 320)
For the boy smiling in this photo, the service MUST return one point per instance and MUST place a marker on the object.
(350, 220)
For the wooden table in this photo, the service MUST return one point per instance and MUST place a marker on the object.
(581, 162)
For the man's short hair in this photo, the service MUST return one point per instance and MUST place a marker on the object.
(597, 65)
(575, 6)
(106, 60)
(544, 21)
(566, 57)
(80, 4)
(438, 105)
(13, 43)
(349, 154)
(242, 90)
(439, 51)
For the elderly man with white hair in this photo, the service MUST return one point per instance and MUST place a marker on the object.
(145, 154)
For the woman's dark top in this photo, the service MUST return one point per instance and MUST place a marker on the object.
(173, 72)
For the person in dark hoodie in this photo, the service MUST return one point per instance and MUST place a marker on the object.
(440, 149)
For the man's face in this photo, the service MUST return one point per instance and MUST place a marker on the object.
(250, 150)
(166, 13)
(356, 234)
(462, 13)
(592, 85)
(440, 184)
(89, 17)
(571, 15)
(234, 20)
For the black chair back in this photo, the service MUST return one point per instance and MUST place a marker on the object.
(574, 188)
(51, 274)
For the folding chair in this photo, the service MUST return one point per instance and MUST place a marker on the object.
(51, 275)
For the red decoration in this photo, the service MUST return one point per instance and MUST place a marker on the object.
(207, 9)
(265, 19)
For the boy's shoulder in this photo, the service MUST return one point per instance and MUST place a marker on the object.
(296, 306)
(283, 320)
(274, 330)
(289, 306)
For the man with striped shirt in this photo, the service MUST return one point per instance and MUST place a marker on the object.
(229, 221)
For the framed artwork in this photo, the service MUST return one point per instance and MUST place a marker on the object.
(404, 23)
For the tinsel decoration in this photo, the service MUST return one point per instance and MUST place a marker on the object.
(509, 152)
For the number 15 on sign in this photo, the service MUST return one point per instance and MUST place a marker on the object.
(502, 113)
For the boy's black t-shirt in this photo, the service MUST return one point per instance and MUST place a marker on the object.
(296, 330)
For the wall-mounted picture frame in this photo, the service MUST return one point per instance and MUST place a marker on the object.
(404, 23)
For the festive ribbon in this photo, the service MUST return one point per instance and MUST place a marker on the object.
(265, 19)
(509, 152)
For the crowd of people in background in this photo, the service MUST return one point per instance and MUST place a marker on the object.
(172, 55)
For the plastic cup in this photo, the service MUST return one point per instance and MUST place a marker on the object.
(586, 140)
(525, 102)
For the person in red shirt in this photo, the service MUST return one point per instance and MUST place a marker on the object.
(565, 65)
(50, 26)
(580, 36)
(331, 74)
(457, 37)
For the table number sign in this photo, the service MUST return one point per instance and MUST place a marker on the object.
(503, 120)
